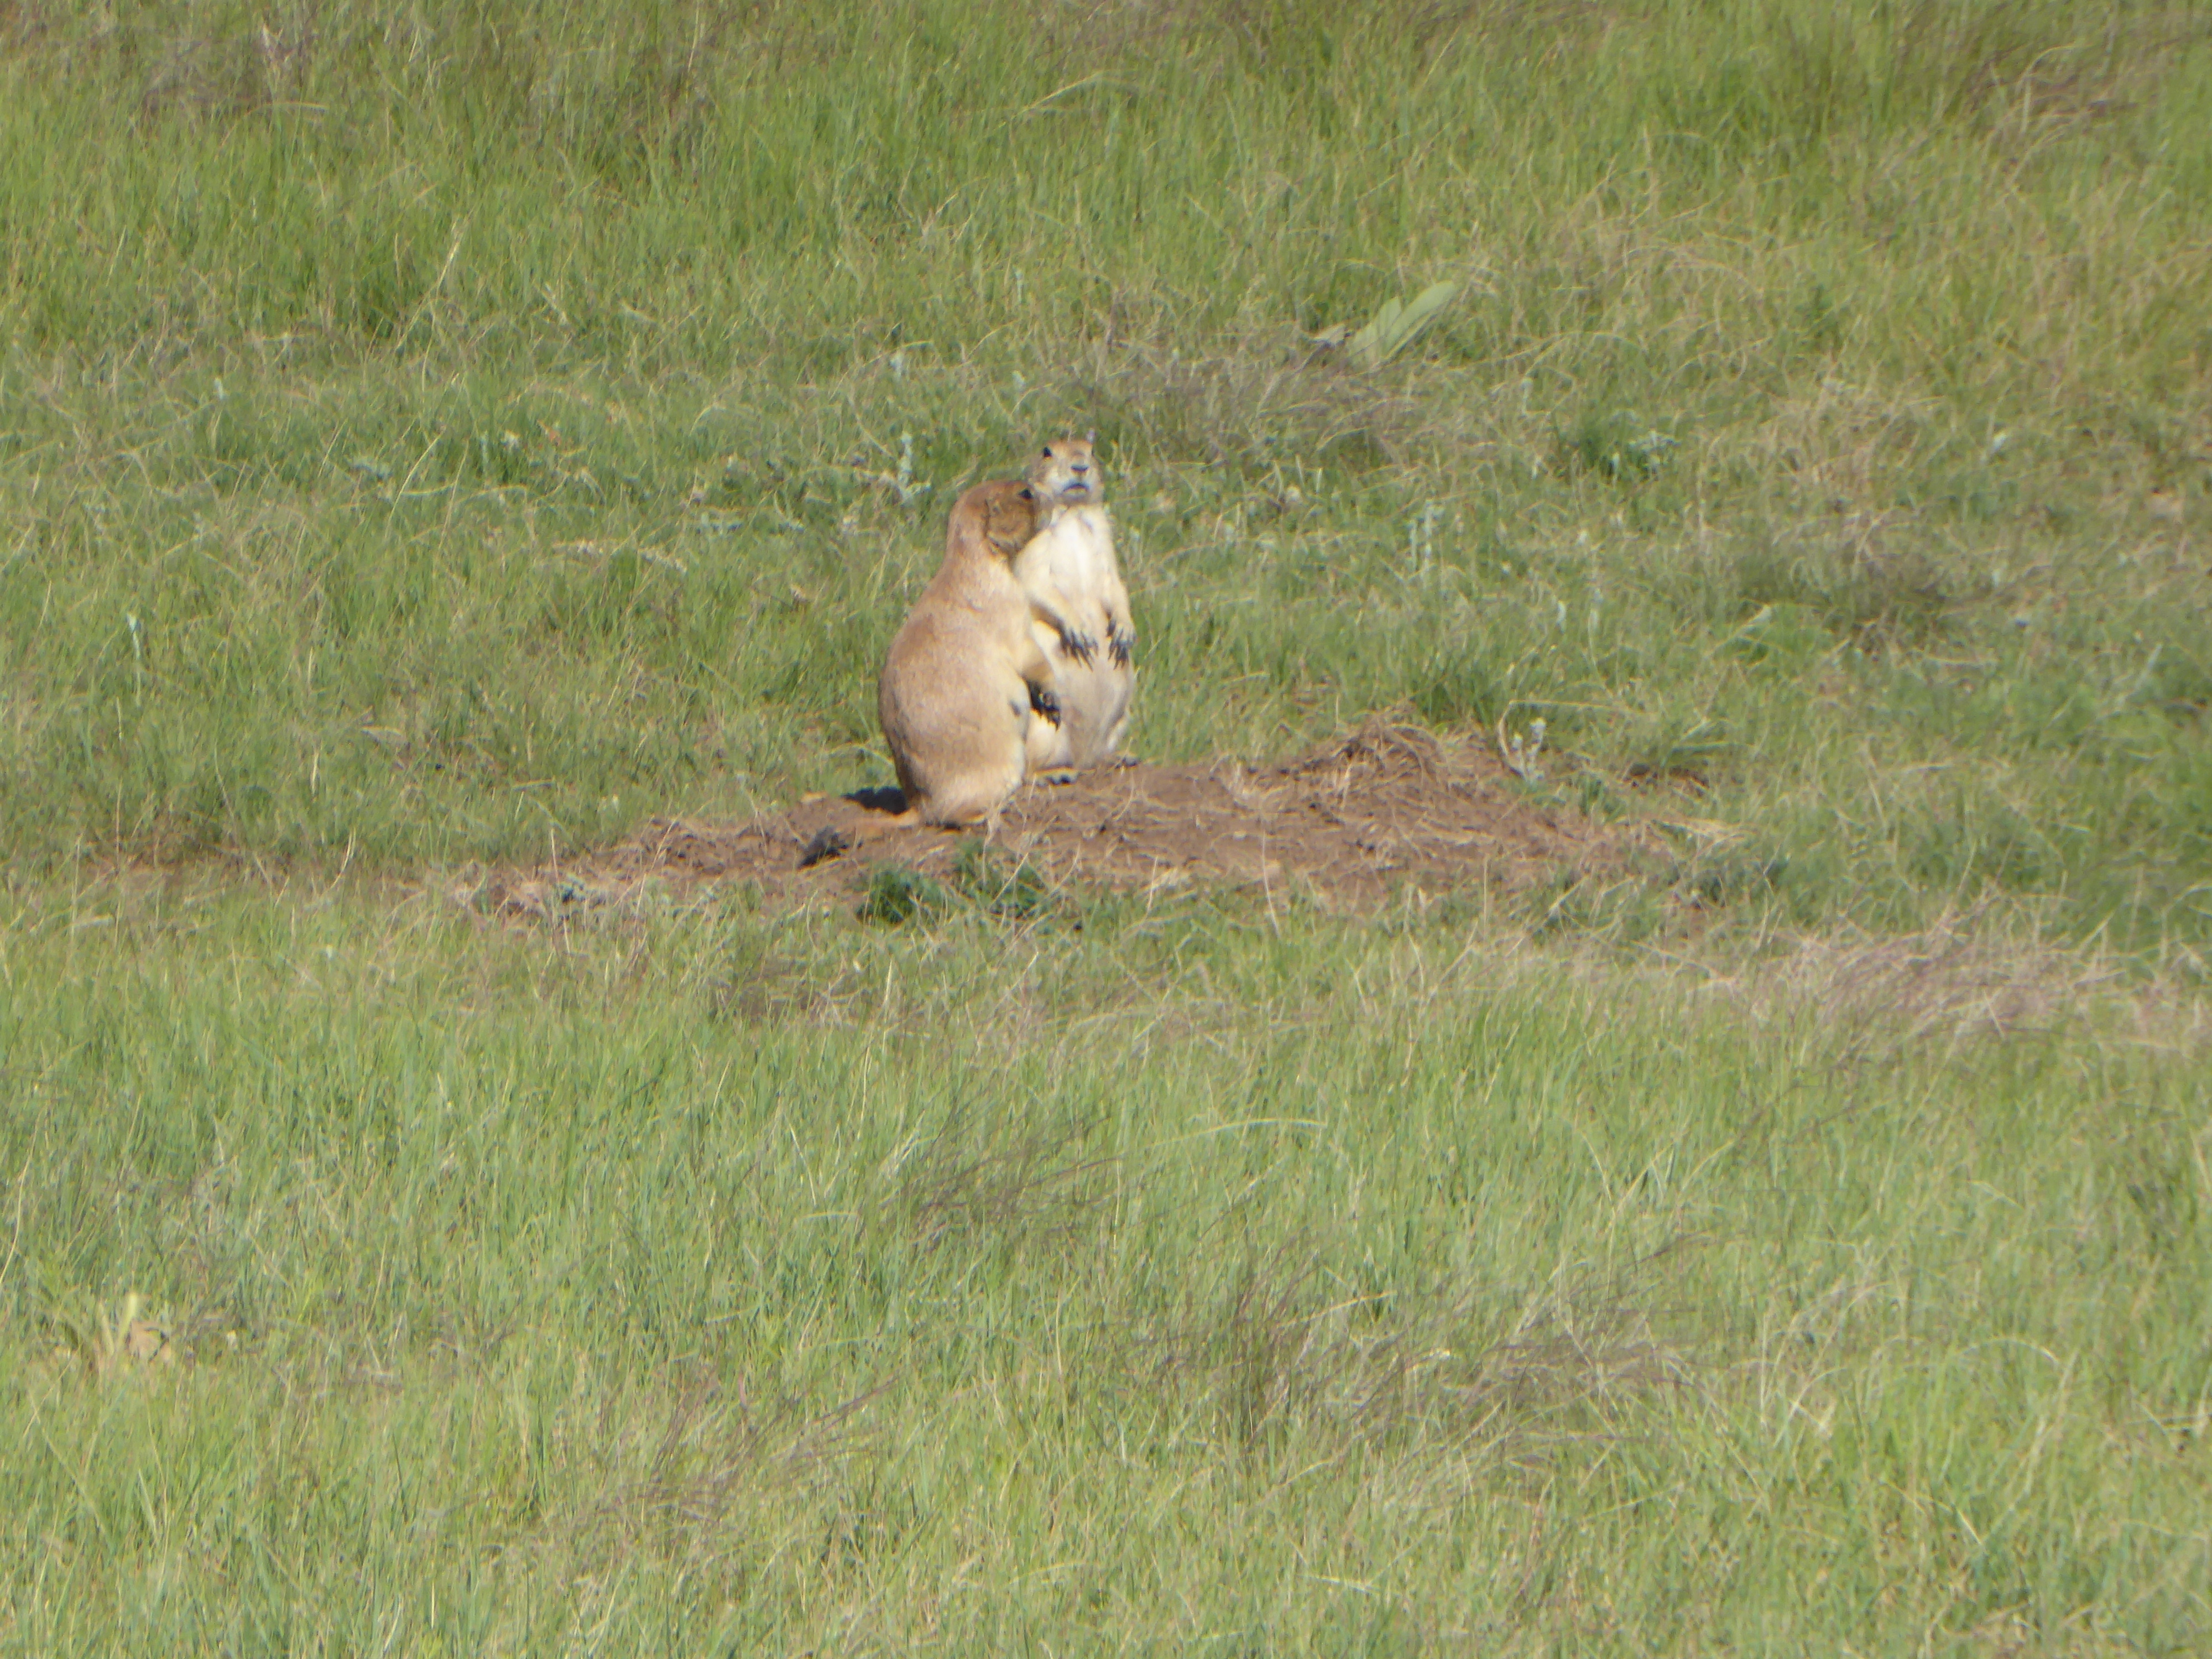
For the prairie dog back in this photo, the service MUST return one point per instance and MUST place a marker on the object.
(965, 680)
(1079, 609)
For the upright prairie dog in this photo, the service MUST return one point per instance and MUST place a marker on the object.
(965, 680)
(1079, 612)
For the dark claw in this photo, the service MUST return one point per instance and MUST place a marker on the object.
(828, 841)
(1079, 646)
(1122, 646)
(1046, 702)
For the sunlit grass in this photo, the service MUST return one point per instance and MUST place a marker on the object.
(956, 1284)
(440, 435)
(1824, 402)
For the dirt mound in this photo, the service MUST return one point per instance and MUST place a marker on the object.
(1386, 809)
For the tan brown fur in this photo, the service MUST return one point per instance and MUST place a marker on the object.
(965, 680)
(1079, 612)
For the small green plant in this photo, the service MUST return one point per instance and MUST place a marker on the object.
(897, 895)
(1398, 325)
(982, 881)
(1616, 444)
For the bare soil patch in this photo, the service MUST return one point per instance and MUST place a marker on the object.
(1385, 810)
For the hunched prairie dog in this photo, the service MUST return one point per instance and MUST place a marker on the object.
(965, 680)
(1080, 611)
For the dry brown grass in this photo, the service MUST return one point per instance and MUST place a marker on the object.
(1978, 974)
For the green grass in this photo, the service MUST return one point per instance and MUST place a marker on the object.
(712, 1283)
(440, 435)
(499, 430)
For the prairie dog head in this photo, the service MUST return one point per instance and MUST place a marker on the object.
(1067, 473)
(1001, 514)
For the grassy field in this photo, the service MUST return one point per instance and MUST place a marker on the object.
(432, 436)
